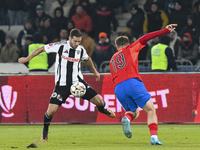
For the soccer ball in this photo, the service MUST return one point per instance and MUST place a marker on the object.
(194, 112)
(78, 89)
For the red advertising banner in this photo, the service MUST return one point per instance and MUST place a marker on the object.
(24, 99)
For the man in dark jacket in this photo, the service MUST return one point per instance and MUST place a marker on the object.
(38, 20)
(136, 21)
(156, 19)
(103, 50)
(59, 21)
(178, 16)
(15, 8)
(102, 20)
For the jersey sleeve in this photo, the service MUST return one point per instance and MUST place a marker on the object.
(52, 47)
(85, 56)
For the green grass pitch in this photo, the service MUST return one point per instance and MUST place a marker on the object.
(99, 137)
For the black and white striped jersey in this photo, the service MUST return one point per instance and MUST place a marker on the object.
(67, 64)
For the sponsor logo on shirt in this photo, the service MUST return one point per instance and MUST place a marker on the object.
(71, 59)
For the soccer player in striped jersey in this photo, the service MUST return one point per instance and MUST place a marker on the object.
(67, 71)
(129, 87)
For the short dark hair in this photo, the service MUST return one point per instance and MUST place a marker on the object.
(75, 32)
(121, 40)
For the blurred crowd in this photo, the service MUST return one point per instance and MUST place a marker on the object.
(98, 22)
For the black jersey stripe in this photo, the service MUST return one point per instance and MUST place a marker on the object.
(59, 63)
(80, 59)
(70, 66)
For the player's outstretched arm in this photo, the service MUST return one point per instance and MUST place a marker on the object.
(144, 39)
(91, 65)
(33, 54)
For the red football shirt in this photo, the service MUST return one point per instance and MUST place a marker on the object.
(124, 63)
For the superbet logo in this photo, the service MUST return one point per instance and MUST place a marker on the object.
(7, 100)
(112, 102)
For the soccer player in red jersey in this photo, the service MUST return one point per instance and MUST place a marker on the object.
(129, 87)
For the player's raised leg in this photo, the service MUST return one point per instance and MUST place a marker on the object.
(152, 122)
(100, 103)
(52, 109)
(129, 116)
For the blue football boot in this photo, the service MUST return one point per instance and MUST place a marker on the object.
(155, 141)
(126, 127)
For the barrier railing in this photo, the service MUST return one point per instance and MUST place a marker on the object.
(145, 65)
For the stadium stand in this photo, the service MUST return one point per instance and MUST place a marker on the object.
(12, 30)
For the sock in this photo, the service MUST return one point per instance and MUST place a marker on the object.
(101, 108)
(47, 121)
(129, 116)
(153, 127)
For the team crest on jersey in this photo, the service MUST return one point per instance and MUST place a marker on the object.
(78, 51)
(51, 44)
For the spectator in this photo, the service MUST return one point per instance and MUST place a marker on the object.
(87, 6)
(24, 49)
(87, 42)
(15, 8)
(63, 36)
(148, 3)
(103, 50)
(10, 52)
(2, 39)
(187, 4)
(178, 16)
(136, 21)
(162, 56)
(150, 44)
(31, 5)
(42, 61)
(48, 30)
(82, 20)
(175, 42)
(169, 6)
(112, 4)
(124, 5)
(191, 28)
(28, 30)
(196, 14)
(3, 12)
(103, 19)
(73, 8)
(188, 49)
(127, 32)
(39, 19)
(59, 21)
(70, 25)
(64, 4)
(156, 19)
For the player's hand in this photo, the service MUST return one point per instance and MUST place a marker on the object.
(171, 27)
(23, 60)
(97, 75)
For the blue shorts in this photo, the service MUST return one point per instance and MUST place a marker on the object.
(132, 93)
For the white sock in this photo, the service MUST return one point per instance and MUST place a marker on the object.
(155, 136)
